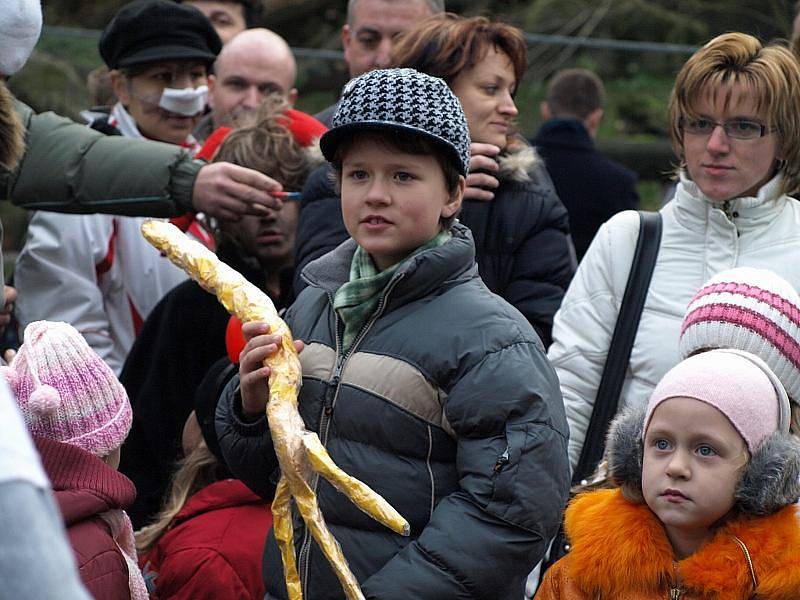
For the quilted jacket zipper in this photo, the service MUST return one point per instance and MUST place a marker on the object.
(331, 394)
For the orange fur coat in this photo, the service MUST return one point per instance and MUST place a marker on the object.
(621, 552)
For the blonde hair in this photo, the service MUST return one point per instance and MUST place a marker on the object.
(199, 469)
(770, 73)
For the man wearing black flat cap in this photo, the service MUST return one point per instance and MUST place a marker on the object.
(159, 54)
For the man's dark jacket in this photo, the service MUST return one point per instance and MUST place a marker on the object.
(592, 187)
(445, 405)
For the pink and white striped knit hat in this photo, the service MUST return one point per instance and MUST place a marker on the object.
(748, 309)
(66, 392)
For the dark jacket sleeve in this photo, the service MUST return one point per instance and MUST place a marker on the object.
(544, 260)
(320, 227)
(630, 195)
(246, 446)
(68, 167)
(483, 540)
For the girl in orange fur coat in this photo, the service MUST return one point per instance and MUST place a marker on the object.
(708, 477)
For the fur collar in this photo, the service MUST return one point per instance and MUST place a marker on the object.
(11, 131)
(620, 547)
(517, 162)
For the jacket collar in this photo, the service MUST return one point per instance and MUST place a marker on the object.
(620, 547)
(415, 278)
(695, 210)
(84, 485)
(227, 493)
(564, 133)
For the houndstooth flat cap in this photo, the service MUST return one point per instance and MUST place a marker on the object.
(401, 100)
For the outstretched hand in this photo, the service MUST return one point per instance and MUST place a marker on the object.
(253, 375)
(227, 192)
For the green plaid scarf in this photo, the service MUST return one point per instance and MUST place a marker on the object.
(356, 301)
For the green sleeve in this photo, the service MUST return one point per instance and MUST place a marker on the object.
(68, 167)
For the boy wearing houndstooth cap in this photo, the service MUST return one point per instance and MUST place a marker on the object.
(420, 382)
(707, 480)
(79, 415)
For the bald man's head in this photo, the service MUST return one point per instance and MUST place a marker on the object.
(255, 63)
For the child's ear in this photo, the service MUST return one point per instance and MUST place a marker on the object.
(771, 480)
(453, 205)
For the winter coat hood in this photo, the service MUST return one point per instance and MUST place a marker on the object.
(90, 495)
(212, 548)
(620, 548)
(228, 493)
(84, 485)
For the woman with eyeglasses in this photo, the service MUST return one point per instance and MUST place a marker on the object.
(734, 120)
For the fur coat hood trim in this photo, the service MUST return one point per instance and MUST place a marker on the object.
(517, 162)
(621, 547)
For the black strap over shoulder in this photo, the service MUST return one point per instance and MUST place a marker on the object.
(619, 352)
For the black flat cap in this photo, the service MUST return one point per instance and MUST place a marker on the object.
(155, 30)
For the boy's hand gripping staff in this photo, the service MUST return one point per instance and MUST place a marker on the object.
(299, 451)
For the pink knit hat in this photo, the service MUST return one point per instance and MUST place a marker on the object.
(66, 392)
(753, 310)
(738, 384)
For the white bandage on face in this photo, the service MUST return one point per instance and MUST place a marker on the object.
(187, 102)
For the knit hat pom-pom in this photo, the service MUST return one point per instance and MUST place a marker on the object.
(44, 400)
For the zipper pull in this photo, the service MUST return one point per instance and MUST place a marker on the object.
(329, 395)
(675, 593)
(502, 461)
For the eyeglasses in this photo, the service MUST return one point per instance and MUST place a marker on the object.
(739, 129)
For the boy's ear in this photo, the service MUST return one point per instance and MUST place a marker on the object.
(771, 480)
(456, 198)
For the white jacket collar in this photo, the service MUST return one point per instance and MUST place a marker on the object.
(695, 208)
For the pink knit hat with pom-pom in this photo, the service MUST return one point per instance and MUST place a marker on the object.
(66, 392)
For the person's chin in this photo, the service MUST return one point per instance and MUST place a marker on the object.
(498, 139)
